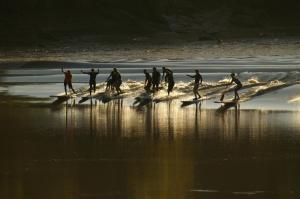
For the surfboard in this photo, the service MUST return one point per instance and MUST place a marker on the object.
(192, 101)
(142, 100)
(88, 97)
(197, 101)
(228, 101)
(63, 96)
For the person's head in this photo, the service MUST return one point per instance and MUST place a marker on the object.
(197, 71)
(115, 69)
(232, 75)
(164, 68)
(154, 68)
(68, 71)
(92, 70)
(145, 71)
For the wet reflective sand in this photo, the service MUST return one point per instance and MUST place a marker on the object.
(161, 151)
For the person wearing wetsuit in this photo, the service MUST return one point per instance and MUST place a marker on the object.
(198, 81)
(164, 73)
(93, 74)
(148, 81)
(68, 81)
(115, 79)
(170, 80)
(239, 85)
(155, 79)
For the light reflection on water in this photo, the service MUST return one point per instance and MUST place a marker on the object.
(161, 151)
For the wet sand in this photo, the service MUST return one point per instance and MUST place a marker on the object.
(162, 151)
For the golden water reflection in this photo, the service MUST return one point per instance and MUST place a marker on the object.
(161, 151)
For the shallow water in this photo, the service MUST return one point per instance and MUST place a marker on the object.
(161, 151)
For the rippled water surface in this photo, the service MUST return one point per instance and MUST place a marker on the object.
(162, 151)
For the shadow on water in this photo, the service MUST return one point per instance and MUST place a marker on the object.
(162, 151)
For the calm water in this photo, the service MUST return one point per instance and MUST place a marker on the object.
(163, 151)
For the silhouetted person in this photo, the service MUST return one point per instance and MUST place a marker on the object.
(148, 81)
(170, 80)
(92, 81)
(155, 79)
(68, 81)
(198, 81)
(164, 73)
(115, 79)
(238, 87)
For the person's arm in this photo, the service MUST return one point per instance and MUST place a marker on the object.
(62, 70)
(83, 72)
(191, 76)
(201, 79)
(169, 71)
(97, 71)
(108, 77)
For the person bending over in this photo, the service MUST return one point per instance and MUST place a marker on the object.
(115, 79)
(148, 81)
(237, 87)
(164, 73)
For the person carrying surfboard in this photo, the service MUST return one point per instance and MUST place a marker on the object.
(68, 81)
(198, 81)
(155, 79)
(148, 81)
(170, 80)
(239, 85)
(93, 74)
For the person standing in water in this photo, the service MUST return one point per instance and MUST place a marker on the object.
(68, 81)
(170, 80)
(238, 87)
(155, 79)
(148, 81)
(116, 80)
(198, 81)
(93, 74)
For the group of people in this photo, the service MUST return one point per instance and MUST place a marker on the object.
(155, 80)
(152, 83)
(114, 80)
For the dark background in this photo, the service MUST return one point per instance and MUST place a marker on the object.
(25, 22)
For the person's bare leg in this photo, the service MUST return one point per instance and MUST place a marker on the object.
(73, 90)
(66, 89)
(222, 97)
(237, 95)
